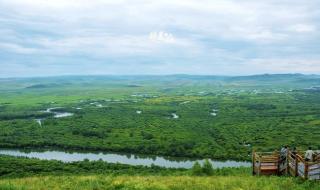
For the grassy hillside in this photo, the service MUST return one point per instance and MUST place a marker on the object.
(34, 174)
(157, 182)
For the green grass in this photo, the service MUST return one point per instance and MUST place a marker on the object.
(157, 183)
(25, 173)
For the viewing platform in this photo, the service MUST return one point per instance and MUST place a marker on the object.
(271, 163)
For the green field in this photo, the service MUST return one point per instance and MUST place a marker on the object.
(262, 112)
(156, 183)
(23, 173)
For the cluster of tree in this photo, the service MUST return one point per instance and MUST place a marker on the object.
(23, 115)
(19, 167)
(12, 167)
(205, 169)
(261, 106)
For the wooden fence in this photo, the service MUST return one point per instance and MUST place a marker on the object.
(270, 163)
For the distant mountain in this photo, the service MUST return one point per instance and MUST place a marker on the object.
(297, 80)
(173, 76)
(40, 86)
(270, 77)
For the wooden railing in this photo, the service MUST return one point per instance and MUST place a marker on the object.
(270, 163)
(265, 163)
(305, 169)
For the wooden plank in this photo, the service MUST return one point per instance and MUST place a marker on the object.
(312, 169)
(313, 163)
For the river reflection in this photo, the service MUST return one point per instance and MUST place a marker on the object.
(130, 159)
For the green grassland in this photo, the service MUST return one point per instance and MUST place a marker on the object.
(262, 112)
(157, 183)
(24, 173)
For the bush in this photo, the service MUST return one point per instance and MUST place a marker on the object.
(207, 168)
(196, 169)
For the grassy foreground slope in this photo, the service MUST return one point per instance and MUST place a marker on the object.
(158, 182)
(33, 174)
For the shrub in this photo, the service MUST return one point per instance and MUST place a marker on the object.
(196, 169)
(207, 168)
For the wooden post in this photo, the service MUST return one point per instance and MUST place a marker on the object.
(296, 166)
(253, 163)
(306, 167)
(279, 163)
(259, 168)
(287, 162)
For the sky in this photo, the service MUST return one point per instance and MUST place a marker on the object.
(156, 37)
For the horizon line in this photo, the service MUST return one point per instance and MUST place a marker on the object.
(159, 75)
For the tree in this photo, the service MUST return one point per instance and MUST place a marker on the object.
(207, 168)
(196, 169)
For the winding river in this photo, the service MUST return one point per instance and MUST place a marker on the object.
(130, 159)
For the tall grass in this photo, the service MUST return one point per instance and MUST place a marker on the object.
(158, 183)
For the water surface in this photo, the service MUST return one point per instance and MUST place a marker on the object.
(174, 116)
(130, 159)
(58, 114)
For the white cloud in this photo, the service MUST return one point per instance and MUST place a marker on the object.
(15, 48)
(286, 65)
(215, 18)
(201, 34)
(303, 28)
(161, 36)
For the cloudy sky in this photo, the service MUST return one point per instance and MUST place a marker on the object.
(219, 37)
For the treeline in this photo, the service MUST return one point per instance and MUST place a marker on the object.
(23, 115)
(21, 167)
(18, 167)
